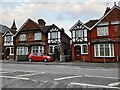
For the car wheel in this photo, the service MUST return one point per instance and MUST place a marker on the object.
(45, 60)
(30, 60)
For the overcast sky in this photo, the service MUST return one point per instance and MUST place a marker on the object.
(63, 13)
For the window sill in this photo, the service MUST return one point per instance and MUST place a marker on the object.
(104, 57)
(84, 53)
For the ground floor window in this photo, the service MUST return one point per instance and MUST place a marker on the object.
(81, 48)
(52, 49)
(104, 50)
(22, 50)
(37, 49)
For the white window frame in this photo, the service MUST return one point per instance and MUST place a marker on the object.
(6, 42)
(22, 37)
(24, 50)
(53, 46)
(81, 45)
(102, 31)
(40, 48)
(104, 50)
(82, 49)
(54, 35)
(37, 36)
(80, 33)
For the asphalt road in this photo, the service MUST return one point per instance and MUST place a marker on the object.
(57, 76)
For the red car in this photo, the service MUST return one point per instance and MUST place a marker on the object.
(39, 57)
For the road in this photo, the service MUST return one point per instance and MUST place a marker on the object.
(57, 76)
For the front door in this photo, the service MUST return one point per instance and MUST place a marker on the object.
(7, 53)
(77, 52)
(56, 53)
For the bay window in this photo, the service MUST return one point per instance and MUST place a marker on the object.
(104, 50)
(22, 50)
(37, 49)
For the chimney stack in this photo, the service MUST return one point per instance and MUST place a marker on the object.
(41, 22)
(114, 3)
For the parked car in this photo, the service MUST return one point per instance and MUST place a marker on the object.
(39, 57)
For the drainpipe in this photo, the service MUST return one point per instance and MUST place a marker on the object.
(90, 48)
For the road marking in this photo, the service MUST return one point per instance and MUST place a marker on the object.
(92, 85)
(14, 77)
(101, 77)
(30, 74)
(66, 78)
(114, 84)
(4, 72)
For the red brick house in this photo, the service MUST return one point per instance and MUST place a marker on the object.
(34, 37)
(79, 41)
(105, 37)
(102, 38)
(29, 38)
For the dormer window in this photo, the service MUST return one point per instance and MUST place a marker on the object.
(102, 31)
(22, 37)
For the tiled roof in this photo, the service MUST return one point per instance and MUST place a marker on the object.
(91, 23)
(3, 28)
(13, 31)
(103, 40)
(46, 28)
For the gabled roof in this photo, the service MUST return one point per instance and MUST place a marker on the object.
(3, 28)
(78, 23)
(9, 30)
(47, 28)
(90, 23)
(27, 22)
(115, 6)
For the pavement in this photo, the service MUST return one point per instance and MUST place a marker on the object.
(76, 63)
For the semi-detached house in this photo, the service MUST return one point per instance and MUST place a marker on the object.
(38, 37)
(97, 40)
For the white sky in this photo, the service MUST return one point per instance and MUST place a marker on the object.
(63, 13)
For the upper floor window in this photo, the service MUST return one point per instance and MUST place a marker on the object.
(8, 38)
(22, 37)
(37, 36)
(102, 31)
(53, 35)
(79, 33)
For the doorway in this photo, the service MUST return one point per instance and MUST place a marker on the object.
(7, 53)
(77, 52)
